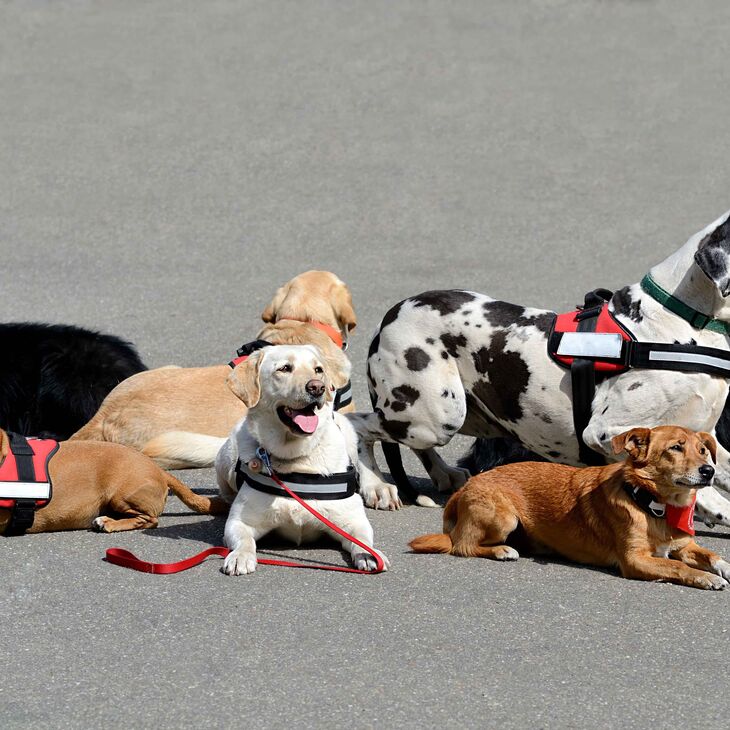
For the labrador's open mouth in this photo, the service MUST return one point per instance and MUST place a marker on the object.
(299, 420)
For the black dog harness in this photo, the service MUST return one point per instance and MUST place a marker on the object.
(343, 395)
(25, 484)
(306, 486)
(681, 518)
(593, 345)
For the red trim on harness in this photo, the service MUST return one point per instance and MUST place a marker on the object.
(43, 450)
(605, 323)
(124, 558)
(238, 360)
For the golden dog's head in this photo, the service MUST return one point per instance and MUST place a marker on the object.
(287, 389)
(314, 296)
(670, 457)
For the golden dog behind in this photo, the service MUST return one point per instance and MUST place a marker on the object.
(587, 515)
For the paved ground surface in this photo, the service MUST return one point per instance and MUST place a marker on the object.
(165, 166)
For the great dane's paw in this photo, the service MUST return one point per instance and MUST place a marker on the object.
(99, 524)
(711, 582)
(239, 563)
(381, 496)
(450, 478)
(722, 568)
(365, 561)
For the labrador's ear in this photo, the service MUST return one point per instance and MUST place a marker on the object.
(709, 440)
(342, 307)
(4, 444)
(271, 313)
(244, 380)
(635, 442)
(713, 257)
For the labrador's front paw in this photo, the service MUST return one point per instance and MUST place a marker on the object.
(239, 563)
(365, 561)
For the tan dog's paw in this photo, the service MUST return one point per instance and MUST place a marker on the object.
(382, 496)
(365, 561)
(239, 563)
(711, 582)
(504, 552)
(99, 524)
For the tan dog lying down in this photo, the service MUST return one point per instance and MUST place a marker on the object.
(589, 515)
(180, 417)
(106, 487)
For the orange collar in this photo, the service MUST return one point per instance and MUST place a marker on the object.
(330, 331)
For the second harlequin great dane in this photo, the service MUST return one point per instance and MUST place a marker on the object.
(447, 362)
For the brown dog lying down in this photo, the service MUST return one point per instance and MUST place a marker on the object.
(605, 516)
(106, 487)
(180, 417)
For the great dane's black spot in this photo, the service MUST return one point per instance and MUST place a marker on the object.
(387, 403)
(634, 386)
(444, 302)
(451, 342)
(444, 393)
(624, 304)
(449, 427)
(604, 410)
(546, 418)
(374, 344)
(466, 312)
(404, 396)
(416, 358)
(507, 376)
(430, 341)
(391, 315)
(554, 454)
(719, 515)
(504, 314)
(444, 354)
(397, 430)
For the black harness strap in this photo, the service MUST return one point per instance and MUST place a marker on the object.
(583, 377)
(645, 500)
(307, 486)
(23, 513)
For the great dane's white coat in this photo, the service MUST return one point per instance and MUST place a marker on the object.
(456, 361)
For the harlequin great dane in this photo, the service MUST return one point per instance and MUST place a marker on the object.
(447, 362)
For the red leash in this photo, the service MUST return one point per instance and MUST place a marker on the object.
(119, 556)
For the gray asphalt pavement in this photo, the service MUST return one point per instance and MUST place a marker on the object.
(165, 166)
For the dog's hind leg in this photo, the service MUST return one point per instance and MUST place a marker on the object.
(139, 509)
(485, 521)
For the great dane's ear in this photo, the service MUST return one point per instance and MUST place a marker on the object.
(635, 442)
(4, 444)
(342, 306)
(244, 380)
(709, 440)
(713, 257)
(271, 313)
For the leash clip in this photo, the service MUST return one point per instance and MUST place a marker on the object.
(264, 456)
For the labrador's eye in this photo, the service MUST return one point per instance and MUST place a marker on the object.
(319, 370)
(285, 368)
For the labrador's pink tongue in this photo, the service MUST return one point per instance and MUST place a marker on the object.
(308, 423)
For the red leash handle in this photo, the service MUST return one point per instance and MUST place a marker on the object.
(126, 559)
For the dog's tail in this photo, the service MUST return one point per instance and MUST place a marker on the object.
(438, 543)
(183, 450)
(198, 502)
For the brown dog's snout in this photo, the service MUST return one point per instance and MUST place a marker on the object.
(315, 388)
(707, 472)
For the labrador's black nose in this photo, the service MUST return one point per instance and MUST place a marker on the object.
(707, 471)
(315, 388)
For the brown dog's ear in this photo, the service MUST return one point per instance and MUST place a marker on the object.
(272, 310)
(635, 442)
(244, 380)
(342, 306)
(709, 440)
(4, 444)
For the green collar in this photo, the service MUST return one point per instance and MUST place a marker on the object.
(696, 319)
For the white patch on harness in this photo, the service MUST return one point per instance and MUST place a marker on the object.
(25, 490)
(590, 344)
(692, 357)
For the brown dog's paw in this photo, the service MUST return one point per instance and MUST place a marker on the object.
(710, 582)
(504, 552)
(99, 524)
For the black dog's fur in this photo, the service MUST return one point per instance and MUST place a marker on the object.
(486, 454)
(54, 377)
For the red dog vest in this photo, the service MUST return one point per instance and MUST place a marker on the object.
(25, 483)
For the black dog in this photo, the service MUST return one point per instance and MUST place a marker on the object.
(54, 377)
